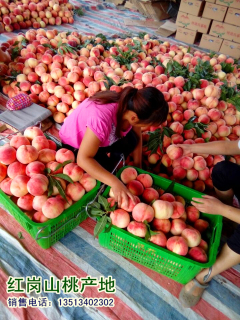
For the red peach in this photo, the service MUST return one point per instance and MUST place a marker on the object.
(14, 169)
(177, 227)
(199, 163)
(37, 184)
(46, 155)
(18, 141)
(192, 236)
(25, 202)
(174, 152)
(52, 208)
(26, 154)
(162, 209)
(199, 185)
(160, 239)
(39, 201)
(63, 155)
(163, 225)
(150, 194)
(167, 197)
(52, 145)
(145, 179)
(187, 163)
(179, 173)
(128, 175)
(32, 132)
(73, 171)
(120, 218)
(198, 254)
(88, 182)
(34, 167)
(18, 186)
(129, 207)
(224, 131)
(201, 225)
(75, 191)
(192, 213)
(137, 228)
(177, 245)
(39, 217)
(135, 187)
(7, 155)
(204, 174)
(142, 212)
(40, 143)
(203, 244)
(5, 186)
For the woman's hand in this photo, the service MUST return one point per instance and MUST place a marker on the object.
(121, 193)
(208, 204)
(187, 148)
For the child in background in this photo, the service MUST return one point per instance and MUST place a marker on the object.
(110, 122)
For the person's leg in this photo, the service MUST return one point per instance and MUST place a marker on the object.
(228, 257)
(226, 177)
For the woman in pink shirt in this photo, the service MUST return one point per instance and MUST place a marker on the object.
(110, 122)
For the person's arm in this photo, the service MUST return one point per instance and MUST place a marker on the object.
(85, 159)
(213, 148)
(212, 205)
(137, 153)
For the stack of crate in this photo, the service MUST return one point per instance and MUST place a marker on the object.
(216, 23)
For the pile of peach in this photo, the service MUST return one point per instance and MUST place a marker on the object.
(178, 227)
(25, 14)
(23, 175)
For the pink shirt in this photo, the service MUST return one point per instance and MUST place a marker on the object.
(101, 119)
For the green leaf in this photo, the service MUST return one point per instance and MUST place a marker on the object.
(170, 187)
(47, 170)
(103, 202)
(63, 176)
(189, 49)
(188, 126)
(227, 67)
(95, 212)
(61, 165)
(58, 185)
(50, 186)
(61, 51)
(147, 235)
(100, 225)
(20, 236)
(108, 228)
(37, 82)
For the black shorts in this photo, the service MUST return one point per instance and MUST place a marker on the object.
(226, 176)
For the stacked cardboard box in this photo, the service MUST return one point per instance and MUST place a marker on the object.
(215, 22)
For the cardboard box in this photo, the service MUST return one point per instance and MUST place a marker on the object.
(191, 22)
(214, 10)
(211, 1)
(230, 48)
(156, 10)
(225, 31)
(229, 3)
(186, 35)
(210, 42)
(194, 7)
(233, 17)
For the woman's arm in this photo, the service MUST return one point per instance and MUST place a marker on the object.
(137, 153)
(85, 159)
(213, 148)
(212, 205)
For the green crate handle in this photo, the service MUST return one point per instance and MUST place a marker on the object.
(51, 234)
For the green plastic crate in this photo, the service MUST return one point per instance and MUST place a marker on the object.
(47, 233)
(161, 260)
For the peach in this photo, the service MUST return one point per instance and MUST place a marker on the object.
(198, 94)
(177, 245)
(129, 207)
(63, 185)
(38, 202)
(150, 194)
(198, 254)
(162, 209)
(18, 141)
(52, 145)
(166, 161)
(179, 173)
(40, 143)
(192, 174)
(18, 187)
(88, 182)
(193, 104)
(153, 158)
(5, 186)
(204, 174)
(25, 202)
(39, 217)
(26, 154)
(224, 131)
(211, 91)
(137, 228)
(75, 191)
(135, 187)
(63, 155)
(163, 225)
(142, 212)
(128, 175)
(120, 218)
(52, 208)
(37, 184)
(187, 163)
(67, 203)
(145, 179)
(7, 155)
(192, 213)
(167, 197)
(214, 114)
(203, 244)
(174, 152)
(52, 166)
(73, 171)
(178, 210)
(177, 227)
(192, 237)
(160, 239)
(14, 169)
(218, 158)
(34, 167)
(177, 127)
(32, 132)
(199, 185)
(199, 163)
(201, 225)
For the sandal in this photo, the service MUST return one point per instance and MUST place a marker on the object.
(187, 299)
